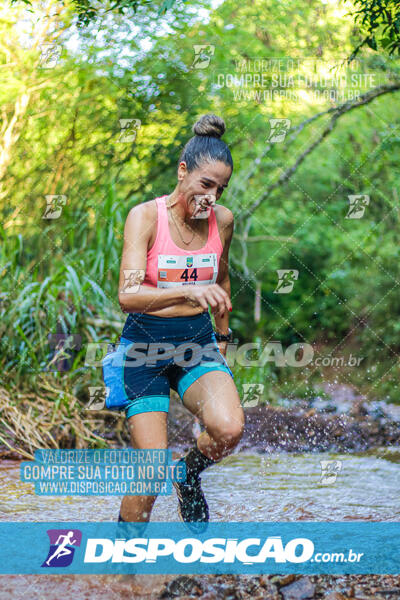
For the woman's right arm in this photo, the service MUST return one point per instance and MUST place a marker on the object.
(141, 298)
(137, 233)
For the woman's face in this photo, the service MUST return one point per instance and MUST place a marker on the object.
(203, 187)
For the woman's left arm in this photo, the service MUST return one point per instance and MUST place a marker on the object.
(226, 227)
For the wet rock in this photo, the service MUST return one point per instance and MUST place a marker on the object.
(358, 409)
(250, 587)
(281, 580)
(269, 589)
(302, 589)
(182, 586)
(311, 412)
(225, 591)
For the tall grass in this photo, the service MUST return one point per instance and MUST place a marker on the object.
(48, 288)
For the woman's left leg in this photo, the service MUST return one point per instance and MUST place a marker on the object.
(214, 399)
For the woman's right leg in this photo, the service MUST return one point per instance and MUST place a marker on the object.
(148, 430)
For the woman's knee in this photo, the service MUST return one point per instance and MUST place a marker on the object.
(227, 432)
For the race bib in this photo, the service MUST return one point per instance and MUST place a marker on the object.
(176, 270)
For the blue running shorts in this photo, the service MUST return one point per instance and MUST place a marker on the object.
(155, 354)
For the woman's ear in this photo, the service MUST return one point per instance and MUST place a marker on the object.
(182, 170)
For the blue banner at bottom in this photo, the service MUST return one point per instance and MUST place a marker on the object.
(224, 547)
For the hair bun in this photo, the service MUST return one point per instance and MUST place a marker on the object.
(209, 125)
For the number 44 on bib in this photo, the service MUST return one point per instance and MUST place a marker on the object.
(176, 270)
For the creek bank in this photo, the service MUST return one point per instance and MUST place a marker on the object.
(344, 422)
(283, 587)
(300, 428)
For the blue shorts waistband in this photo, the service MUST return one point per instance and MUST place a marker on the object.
(146, 317)
(143, 327)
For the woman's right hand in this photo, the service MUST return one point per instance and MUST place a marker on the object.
(212, 294)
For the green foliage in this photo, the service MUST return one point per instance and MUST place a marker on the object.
(65, 271)
(379, 21)
(89, 13)
(63, 294)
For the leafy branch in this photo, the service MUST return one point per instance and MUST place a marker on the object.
(379, 22)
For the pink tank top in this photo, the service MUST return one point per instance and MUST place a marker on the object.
(169, 266)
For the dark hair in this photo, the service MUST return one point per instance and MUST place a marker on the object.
(206, 144)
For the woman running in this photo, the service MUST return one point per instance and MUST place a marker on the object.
(174, 266)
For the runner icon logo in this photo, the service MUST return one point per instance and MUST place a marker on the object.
(62, 547)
